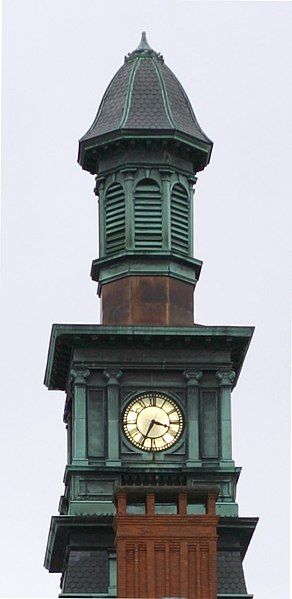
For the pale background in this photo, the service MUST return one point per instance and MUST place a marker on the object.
(234, 60)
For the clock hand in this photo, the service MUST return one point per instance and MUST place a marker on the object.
(150, 427)
(161, 424)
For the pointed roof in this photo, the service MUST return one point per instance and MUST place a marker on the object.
(144, 98)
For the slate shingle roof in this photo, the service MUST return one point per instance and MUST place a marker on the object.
(230, 576)
(145, 95)
(87, 572)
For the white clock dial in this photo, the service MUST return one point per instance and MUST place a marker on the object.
(153, 422)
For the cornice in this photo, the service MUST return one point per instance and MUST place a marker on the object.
(66, 337)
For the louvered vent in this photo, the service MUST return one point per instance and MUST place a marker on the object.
(115, 219)
(180, 220)
(148, 216)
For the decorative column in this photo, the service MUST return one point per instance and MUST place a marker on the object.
(129, 209)
(79, 437)
(193, 447)
(99, 192)
(225, 379)
(113, 454)
(166, 210)
(192, 181)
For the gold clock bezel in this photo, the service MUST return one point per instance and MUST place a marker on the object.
(156, 405)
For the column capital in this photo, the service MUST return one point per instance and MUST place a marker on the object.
(192, 181)
(225, 377)
(99, 184)
(193, 376)
(80, 375)
(112, 374)
(128, 173)
(165, 174)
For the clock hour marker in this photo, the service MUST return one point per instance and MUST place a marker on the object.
(172, 431)
(133, 431)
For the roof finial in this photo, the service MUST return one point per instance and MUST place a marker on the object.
(143, 51)
(144, 43)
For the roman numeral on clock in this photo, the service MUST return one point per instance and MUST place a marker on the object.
(152, 400)
(171, 411)
(137, 439)
(172, 432)
(133, 431)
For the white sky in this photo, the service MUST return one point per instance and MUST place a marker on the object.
(234, 60)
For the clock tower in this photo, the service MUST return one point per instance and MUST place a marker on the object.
(149, 507)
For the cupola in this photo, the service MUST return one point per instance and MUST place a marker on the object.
(145, 147)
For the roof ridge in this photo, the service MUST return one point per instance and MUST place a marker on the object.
(127, 105)
(164, 96)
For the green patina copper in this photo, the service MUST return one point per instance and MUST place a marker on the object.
(146, 216)
(145, 147)
(145, 161)
(198, 366)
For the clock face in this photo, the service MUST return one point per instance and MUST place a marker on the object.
(153, 422)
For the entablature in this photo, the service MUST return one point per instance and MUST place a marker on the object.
(68, 338)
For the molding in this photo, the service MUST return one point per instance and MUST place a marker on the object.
(66, 337)
(137, 263)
